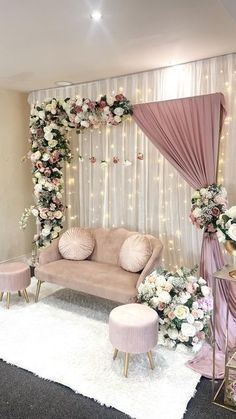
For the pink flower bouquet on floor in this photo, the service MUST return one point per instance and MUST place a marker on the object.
(207, 205)
(183, 303)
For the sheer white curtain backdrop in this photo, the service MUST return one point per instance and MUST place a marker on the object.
(148, 195)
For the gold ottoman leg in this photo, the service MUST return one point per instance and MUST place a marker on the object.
(19, 293)
(38, 290)
(26, 295)
(126, 364)
(115, 354)
(1, 295)
(152, 365)
(8, 299)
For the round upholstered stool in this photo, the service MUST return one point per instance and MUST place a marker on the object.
(14, 277)
(133, 328)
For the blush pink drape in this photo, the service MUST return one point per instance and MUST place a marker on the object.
(186, 131)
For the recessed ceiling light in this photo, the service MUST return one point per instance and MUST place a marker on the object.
(96, 15)
(63, 83)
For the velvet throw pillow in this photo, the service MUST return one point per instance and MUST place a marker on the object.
(76, 244)
(135, 252)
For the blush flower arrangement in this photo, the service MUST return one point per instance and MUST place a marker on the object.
(183, 303)
(207, 206)
(50, 123)
(226, 225)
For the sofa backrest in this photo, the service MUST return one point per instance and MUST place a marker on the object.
(108, 243)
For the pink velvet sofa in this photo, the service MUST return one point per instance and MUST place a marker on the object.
(100, 274)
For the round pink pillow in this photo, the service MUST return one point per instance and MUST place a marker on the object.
(135, 252)
(76, 244)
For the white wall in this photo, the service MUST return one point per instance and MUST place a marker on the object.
(15, 176)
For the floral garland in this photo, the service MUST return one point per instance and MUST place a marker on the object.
(207, 205)
(183, 303)
(50, 123)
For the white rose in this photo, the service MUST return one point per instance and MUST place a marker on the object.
(58, 214)
(181, 312)
(53, 111)
(232, 232)
(79, 101)
(164, 297)
(41, 114)
(198, 326)
(173, 333)
(57, 229)
(38, 175)
(205, 290)
(46, 231)
(160, 280)
(202, 281)
(184, 297)
(35, 212)
(48, 107)
(110, 101)
(220, 235)
(231, 212)
(85, 124)
(48, 136)
(77, 119)
(188, 330)
(54, 234)
(106, 110)
(197, 212)
(118, 111)
(52, 143)
(38, 188)
(45, 157)
(190, 319)
(155, 301)
(117, 118)
(85, 107)
(203, 191)
(196, 195)
(195, 305)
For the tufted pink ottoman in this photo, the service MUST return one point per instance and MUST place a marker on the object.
(133, 328)
(14, 276)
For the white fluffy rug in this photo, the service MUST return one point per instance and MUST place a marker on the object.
(64, 338)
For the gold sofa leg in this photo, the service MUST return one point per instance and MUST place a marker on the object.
(38, 290)
(19, 293)
(1, 295)
(26, 295)
(8, 299)
(115, 354)
(152, 365)
(126, 366)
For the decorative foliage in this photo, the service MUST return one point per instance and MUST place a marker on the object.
(226, 225)
(207, 205)
(183, 303)
(49, 125)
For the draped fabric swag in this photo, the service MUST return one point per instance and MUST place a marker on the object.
(186, 131)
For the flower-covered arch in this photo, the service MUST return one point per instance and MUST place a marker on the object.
(50, 123)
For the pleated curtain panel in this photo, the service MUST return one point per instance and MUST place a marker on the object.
(187, 131)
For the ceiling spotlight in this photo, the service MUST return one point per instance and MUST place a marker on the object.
(63, 83)
(96, 15)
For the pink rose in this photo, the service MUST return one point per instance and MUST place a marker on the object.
(119, 97)
(189, 288)
(171, 315)
(220, 200)
(161, 306)
(195, 314)
(215, 212)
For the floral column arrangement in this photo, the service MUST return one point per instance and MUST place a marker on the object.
(50, 123)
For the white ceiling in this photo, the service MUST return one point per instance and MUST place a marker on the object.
(42, 41)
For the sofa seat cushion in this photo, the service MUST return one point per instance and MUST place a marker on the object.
(100, 279)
